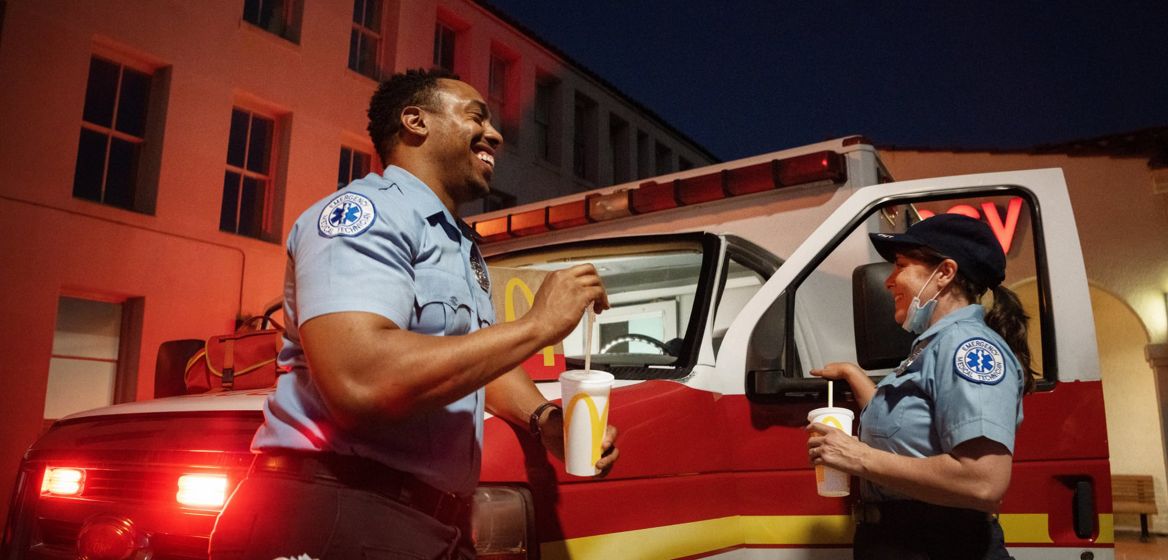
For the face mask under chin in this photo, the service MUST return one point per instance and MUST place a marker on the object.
(917, 317)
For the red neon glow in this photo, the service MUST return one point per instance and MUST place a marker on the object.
(202, 490)
(62, 481)
(1004, 230)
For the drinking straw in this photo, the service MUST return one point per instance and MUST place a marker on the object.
(589, 316)
(830, 396)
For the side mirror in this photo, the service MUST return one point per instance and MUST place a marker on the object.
(880, 342)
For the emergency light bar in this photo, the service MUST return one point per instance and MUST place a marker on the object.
(652, 196)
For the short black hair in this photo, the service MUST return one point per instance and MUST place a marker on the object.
(412, 87)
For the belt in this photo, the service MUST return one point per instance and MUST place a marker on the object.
(912, 511)
(365, 474)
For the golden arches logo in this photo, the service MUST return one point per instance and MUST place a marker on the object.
(598, 419)
(549, 356)
(832, 421)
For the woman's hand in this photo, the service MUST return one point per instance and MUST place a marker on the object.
(832, 447)
(862, 386)
(838, 371)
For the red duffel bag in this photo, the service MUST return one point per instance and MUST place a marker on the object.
(240, 361)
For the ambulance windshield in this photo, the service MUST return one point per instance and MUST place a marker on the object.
(651, 288)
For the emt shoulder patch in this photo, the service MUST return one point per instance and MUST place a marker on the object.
(980, 361)
(347, 215)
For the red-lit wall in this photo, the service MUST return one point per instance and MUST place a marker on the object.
(193, 279)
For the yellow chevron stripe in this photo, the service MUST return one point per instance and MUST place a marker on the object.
(1027, 528)
(686, 539)
(699, 537)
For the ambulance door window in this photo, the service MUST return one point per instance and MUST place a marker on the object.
(825, 312)
(740, 282)
(1010, 216)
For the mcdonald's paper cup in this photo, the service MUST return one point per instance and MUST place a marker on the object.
(828, 481)
(585, 418)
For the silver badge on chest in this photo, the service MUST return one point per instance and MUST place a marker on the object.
(480, 268)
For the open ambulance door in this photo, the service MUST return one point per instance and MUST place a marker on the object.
(825, 304)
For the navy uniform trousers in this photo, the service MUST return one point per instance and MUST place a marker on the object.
(277, 515)
(911, 530)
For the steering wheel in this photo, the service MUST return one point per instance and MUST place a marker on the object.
(634, 337)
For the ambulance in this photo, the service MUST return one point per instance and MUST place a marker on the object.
(728, 284)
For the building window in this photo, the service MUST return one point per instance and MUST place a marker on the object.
(247, 185)
(618, 144)
(499, 98)
(354, 165)
(279, 17)
(584, 149)
(498, 200)
(664, 159)
(546, 141)
(444, 46)
(84, 363)
(644, 161)
(365, 37)
(113, 140)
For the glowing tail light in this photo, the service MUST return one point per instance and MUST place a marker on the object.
(60, 481)
(202, 490)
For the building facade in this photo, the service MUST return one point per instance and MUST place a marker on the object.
(1119, 189)
(154, 154)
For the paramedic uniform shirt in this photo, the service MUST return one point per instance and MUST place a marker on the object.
(384, 245)
(965, 383)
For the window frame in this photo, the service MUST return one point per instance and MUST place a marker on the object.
(147, 156)
(291, 19)
(688, 356)
(269, 227)
(362, 32)
(791, 386)
(546, 128)
(501, 97)
(352, 163)
(445, 34)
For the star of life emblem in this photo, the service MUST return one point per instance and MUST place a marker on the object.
(347, 215)
(979, 361)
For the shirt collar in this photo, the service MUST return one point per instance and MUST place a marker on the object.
(429, 205)
(972, 311)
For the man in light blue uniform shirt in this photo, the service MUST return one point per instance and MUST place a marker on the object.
(371, 446)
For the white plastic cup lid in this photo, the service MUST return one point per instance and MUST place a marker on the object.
(587, 376)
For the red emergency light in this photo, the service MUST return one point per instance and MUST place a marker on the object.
(204, 491)
(62, 481)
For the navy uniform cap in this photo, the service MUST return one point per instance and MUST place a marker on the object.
(969, 242)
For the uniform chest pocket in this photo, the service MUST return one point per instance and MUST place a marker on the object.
(442, 303)
(885, 414)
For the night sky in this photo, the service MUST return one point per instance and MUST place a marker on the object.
(743, 78)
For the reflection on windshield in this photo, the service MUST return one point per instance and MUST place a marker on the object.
(651, 290)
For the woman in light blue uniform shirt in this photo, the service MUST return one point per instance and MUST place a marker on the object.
(937, 435)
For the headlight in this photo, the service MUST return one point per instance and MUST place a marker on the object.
(503, 523)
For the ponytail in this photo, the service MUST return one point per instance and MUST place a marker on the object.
(1009, 320)
(1007, 317)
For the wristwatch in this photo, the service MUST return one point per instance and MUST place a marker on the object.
(533, 422)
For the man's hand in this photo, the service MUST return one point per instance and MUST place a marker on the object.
(563, 297)
(551, 429)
